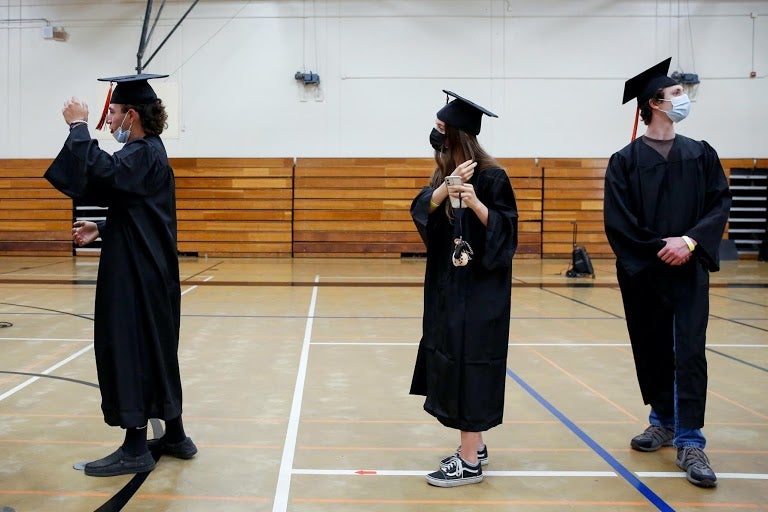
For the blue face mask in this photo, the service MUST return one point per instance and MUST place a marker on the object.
(681, 107)
(121, 135)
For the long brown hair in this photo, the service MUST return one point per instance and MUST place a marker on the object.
(446, 164)
(471, 149)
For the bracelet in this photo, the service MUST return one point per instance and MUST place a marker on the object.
(688, 242)
(75, 123)
(432, 204)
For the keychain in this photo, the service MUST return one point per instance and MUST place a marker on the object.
(462, 252)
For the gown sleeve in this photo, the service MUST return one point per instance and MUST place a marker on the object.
(708, 231)
(83, 171)
(635, 246)
(501, 229)
(67, 172)
(420, 211)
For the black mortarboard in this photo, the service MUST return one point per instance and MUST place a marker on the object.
(132, 89)
(463, 114)
(644, 85)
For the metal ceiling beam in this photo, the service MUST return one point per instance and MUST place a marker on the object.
(146, 33)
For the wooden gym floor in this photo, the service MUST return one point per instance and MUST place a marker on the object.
(296, 376)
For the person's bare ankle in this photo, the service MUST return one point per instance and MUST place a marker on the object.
(471, 458)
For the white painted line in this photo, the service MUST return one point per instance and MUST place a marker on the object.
(726, 345)
(45, 372)
(564, 345)
(720, 476)
(568, 344)
(195, 286)
(364, 344)
(10, 276)
(373, 278)
(393, 472)
(57, 365)
(43, 339)
(289, 448)
(537, 474)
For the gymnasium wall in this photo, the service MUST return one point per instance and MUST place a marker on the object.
(554, 72)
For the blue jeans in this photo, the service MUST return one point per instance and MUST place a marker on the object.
(683, 436)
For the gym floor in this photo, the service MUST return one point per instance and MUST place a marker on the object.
(296, 375)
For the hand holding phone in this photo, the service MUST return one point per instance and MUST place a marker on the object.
(454, 181)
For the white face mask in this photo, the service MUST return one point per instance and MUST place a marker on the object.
(681, 107)
(121, 135)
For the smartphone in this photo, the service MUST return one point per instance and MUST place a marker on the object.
(453, 181)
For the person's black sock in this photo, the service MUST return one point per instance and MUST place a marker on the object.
(174, 431)
(135, 443)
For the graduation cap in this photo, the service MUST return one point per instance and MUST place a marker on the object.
(130, 90)
(645, 85)
(463, 114)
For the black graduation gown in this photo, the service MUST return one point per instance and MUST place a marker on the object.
(648, 198)
(138, 295)
(461, 361)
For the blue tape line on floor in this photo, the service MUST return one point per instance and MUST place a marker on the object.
(621, 470)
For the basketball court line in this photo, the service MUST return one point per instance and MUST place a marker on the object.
(518, 344)
(45, 372)
(141, 497)
(561, 504)
(61, 363)
(736, 359)
(283, 487)
(635, 482)
(286, 466)
(91, 280)
(521, 474)
(491, 473)
(48, 339)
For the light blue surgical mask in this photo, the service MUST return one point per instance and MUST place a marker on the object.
(121, 135)
(681, 107)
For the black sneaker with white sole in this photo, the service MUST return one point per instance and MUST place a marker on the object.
(482, 456)
(456, 472)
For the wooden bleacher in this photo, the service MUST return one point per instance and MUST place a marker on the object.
(317, 207)
(35, 219)
(234, 206)
(527, 181)
(357, 206)
(573, 192)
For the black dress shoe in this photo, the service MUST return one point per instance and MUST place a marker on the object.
(185, 449)
(120, 463)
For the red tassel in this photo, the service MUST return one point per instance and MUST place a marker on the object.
(106, 108)
(634, 130)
